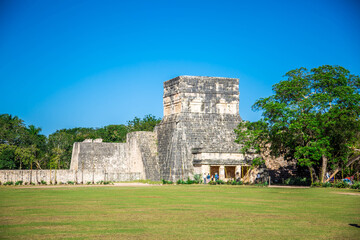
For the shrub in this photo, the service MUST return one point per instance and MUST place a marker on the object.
(356, 185)
(9, 183)
(107, 182)
(88, 183)
(189, 181)
(341, 184)
(316, 184)
(70, 182)
(180, 181)
(298, 181)
(19, 183)
(100, 182)
(262, 184)
(220, 182)
(327, 184)
(166, 182)
(43, 182)
(212, 183)
(197, 178)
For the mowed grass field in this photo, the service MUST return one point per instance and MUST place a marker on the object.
(178, 212)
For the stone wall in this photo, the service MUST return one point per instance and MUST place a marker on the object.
(63, 176)
(138, 154)
(200, 115)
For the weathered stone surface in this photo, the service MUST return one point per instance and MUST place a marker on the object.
(63, 176)
(200, 115)
(195, 136)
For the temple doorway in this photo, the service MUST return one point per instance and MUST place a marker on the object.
(213, 170)
(230, 172)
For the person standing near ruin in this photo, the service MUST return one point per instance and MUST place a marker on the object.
(204, 178)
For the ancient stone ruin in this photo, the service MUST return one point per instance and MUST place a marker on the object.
(195, 136)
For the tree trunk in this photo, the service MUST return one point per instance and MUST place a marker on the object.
(338, 169)
(323, 168)
(311, 175)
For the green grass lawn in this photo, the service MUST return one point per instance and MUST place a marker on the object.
(178, 212)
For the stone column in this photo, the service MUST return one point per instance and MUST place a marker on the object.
(222, 172)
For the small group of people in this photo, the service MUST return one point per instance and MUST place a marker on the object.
(208, 178)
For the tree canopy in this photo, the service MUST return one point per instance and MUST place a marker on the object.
(312, 117)
(24, 147)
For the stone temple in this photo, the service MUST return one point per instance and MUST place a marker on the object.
(195, 136)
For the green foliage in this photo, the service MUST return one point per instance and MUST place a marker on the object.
(19, 183)
(234, 182)
(262, 184)
(148, 123)
(312, 117)
(298, 181)
(355, 185)
(166, 182)
(197, 178)
(327, 184)
(9, 183)
(70, 182)
(219, 182)
(316, 184)
(23, 147)
(341, 184)
(43, 182)
(180, 181)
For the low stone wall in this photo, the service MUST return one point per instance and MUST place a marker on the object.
(63, 176)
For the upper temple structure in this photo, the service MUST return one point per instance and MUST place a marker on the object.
(195, 136)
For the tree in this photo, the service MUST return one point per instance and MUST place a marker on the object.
(148, 123)
(312, 117)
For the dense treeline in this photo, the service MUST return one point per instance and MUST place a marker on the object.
(312, 117)
(24, 147)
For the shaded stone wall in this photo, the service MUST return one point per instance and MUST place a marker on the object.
(143, 154)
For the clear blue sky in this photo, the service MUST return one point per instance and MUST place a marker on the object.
(68, 63)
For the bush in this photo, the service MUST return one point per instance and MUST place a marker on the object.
(9, 183)
(19, 183)
(70, 182)
(234, 182)
(220, 182)
(88, 183)
(263, 184)
(298, 181)
(43, 182)
(180, 181)
(166, 182)
(107, 182)
(341, 184)
(197, 178)
(327, 184)
(316, 184)
(212, 183)
(356, 185)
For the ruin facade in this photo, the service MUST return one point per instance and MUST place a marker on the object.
(195, 136)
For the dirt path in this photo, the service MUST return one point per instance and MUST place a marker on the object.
(348, 193)
(285, 186)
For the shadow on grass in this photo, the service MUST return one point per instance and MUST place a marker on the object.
(354, 225)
